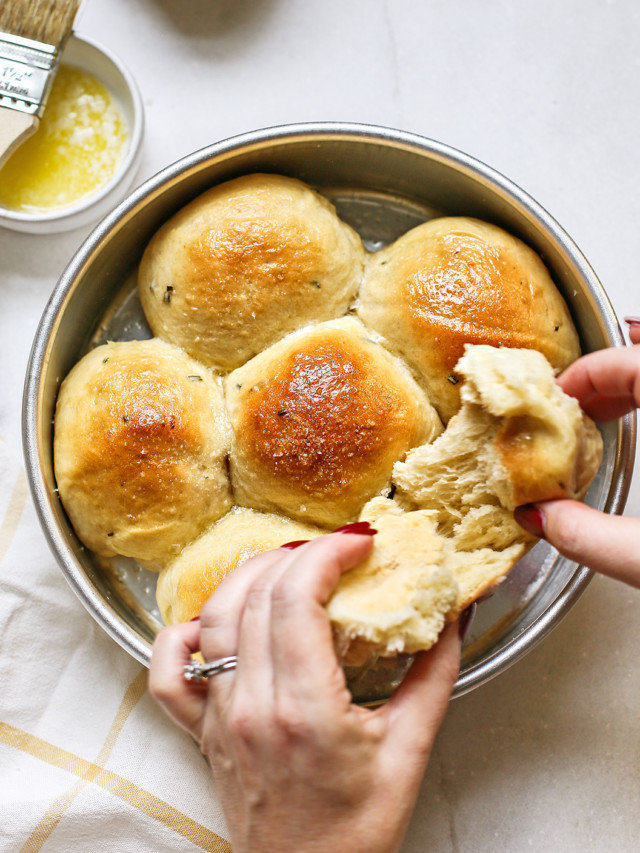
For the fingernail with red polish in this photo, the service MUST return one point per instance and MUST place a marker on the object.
(361, 527)
(632, 321)
(289, 546)
(531, 518)
(465, 619)
(195, 619)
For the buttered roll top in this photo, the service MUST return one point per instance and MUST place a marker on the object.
(454, 281)
(318, 421)
(246, 263)
(139, 448)
(193, 576)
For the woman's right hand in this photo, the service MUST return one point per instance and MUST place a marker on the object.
(298, 767)
(607, 385)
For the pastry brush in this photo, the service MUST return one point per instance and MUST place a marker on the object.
(33, 34)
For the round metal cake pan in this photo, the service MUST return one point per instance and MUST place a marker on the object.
(383, 182)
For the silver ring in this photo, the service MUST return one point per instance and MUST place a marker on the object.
(199, 671)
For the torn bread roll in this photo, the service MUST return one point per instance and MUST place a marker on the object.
(518, 438)
(449, 534)
(399, 598)
(414, 581)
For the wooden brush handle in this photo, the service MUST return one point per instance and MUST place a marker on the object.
(15, 127)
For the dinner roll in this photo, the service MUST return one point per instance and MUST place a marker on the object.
(188, 581)
(517, 438)
(456, 280)
(246, 263)
(318, 421)
(139, 450)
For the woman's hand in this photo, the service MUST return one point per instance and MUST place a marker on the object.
(607, 385)
(297, 766)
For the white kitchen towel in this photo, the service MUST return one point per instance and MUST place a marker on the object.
(88, 762)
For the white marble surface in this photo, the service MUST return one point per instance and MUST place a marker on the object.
(545, 757)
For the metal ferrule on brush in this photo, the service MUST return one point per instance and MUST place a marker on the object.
(27, 70)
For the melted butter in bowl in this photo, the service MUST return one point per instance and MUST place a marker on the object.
(76, 150)
(83, 157)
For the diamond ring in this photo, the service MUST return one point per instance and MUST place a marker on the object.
(200, 671)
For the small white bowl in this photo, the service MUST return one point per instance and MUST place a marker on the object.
(109, 70)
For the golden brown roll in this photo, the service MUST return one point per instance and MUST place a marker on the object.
(517, 438)
(246, 263)
(139, 450)
(318, 421)
(190, 579)
(456, 280)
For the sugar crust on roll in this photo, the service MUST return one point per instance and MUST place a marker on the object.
(318, 421)
(140, 442)
(457, 280)
(244, 264)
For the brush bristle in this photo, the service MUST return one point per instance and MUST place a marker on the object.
(45, 21)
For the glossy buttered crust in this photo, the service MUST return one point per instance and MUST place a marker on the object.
(187, 582)
(453, 281)
(140, 443)
(318, 421)
(244, 264)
